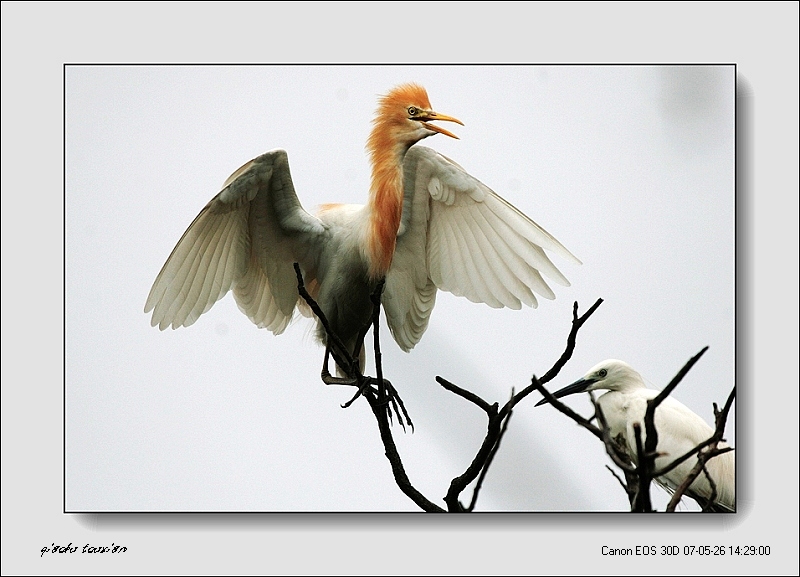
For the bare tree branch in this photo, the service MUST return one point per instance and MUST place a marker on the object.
(651, 434)
(498, 420)
(384, 400)
(470, 396)
(401, 478)
(376, 399)
(703, 456)
(346, 359)
(577, 323)
(380, 395)
(617, 477)
(642, 502)
(489, 460)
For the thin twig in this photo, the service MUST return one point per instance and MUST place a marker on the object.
(644, 471)
(703, 456)
(536, 385)
(618, 478)
(651, 435)
(577, 323)
(490, 458)
(498, 420)
(468, 395)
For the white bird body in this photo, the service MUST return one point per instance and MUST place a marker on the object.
(679, 429)
(428, 225)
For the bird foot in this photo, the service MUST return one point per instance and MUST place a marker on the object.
(375, 384)
(388, 397)
(394, 403)
(383, 393)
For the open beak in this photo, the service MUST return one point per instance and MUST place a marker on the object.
(436, 116)
(578, 386)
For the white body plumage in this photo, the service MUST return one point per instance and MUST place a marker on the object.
(679, 429)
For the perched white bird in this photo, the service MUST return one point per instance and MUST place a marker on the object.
(427, 225)
(679, 430)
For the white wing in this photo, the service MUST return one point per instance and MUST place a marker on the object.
(247, 238)
(457, 235)
(679, 431)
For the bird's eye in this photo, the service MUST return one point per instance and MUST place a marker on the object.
(602, 372)
(412, 110)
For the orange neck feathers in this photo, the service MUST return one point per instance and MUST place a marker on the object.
(385, 204)
(387, 146)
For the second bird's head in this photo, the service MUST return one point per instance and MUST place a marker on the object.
(612, 375)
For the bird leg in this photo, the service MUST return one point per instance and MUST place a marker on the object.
(329, 379)
(385, 393)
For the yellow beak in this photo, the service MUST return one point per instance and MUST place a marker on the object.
(436, 116)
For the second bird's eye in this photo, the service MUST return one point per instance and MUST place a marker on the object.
(412, 110)
(602, 372)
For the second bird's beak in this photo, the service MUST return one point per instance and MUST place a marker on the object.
(436, 116)
(578, 386)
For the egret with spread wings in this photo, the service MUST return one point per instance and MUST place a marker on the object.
(427, 225)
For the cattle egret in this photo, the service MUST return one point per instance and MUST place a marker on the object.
(427, 225)
(679, 430)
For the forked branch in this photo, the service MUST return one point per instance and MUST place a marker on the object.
(703, 456)
(381, 396)
(498, 418)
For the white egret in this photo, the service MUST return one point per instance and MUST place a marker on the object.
(679, 429)
(427, 225)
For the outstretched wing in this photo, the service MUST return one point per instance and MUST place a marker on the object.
(457, 235)
(247, 238)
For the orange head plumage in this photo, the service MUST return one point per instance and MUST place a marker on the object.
(402, 119)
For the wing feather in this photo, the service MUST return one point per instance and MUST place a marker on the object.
(175, 285)
(514, 291)
(444, 274)
(247, 238)
(477, 288)
(527, 227)
(517, 270)
(509, 224)
(208, 258)
(528, 255)
(458, 235)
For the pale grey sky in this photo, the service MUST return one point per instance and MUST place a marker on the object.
(631, 167)
(186, 418)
